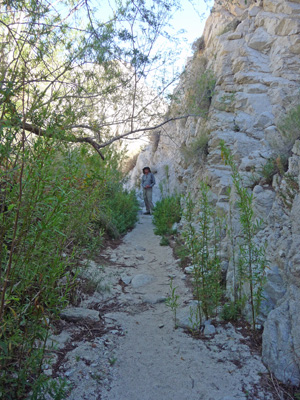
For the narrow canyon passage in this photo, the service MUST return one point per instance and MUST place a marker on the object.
(153, 361)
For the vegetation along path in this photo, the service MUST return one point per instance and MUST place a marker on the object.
(152, 360)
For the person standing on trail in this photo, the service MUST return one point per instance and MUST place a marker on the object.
(148, 181)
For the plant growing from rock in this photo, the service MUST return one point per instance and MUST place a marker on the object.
(290, 127)
(252, 259)
(202, 239)
(172, 301)
(198, 149)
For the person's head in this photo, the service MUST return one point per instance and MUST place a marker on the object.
(146, 170)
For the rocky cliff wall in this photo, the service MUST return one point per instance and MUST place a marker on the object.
(253, 50)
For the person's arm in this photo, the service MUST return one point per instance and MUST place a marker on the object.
(152, 180)
(143, 181)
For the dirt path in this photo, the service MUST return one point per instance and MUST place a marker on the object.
(152, 361)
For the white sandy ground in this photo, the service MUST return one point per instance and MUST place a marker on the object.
(153, 361)
(142, 356)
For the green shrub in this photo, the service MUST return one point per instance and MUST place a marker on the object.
(232, 311)
(203, 245)
(252, 258)
(197, 149)
(164, 241)
(273, 166)
(50, 200)
(199, 91)
(290, 127)
(121, 208)
(165, 213)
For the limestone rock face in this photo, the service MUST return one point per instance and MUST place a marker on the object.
(252, 49)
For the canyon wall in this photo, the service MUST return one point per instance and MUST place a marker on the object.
(252, 49)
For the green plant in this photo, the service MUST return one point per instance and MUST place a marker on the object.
(232, 310)
(195, 317)
(252, 260)
(199, 91)
(164, 241)
(225, 103)
(202, 239)
(289, 190)
(181, 251)
(273, 166)
(56, 389)
(290, 127)
(172, 301)
(51, 198)
(112, 360)
(197, 149)
(165, 213)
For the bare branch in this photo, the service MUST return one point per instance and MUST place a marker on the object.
(124, 135)
(70, 138)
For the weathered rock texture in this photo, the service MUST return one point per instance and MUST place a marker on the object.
(253, 50)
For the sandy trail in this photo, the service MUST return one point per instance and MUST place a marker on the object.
(153, 360)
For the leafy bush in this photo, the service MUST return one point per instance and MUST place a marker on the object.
(193, 95)
(165, 213)
(198, 87)
(120, 208)
(252, 257)
(51, 197)
(232, 311)
(164, 241)
(203, 245)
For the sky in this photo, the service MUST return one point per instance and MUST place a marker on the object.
(190, 19)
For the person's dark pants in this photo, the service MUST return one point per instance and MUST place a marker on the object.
(148, 199)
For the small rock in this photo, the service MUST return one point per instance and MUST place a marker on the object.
(75, 314)
(69, 372)
(154, 299)
(140, 248)
(141, 280)
(209, 329)
(184, 318)
(126, 279)
(139, 257)
(161, 326)
(189, 270)
(48, 372)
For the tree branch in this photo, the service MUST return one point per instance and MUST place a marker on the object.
(97, 146)
(71, 138)
(115, 138)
